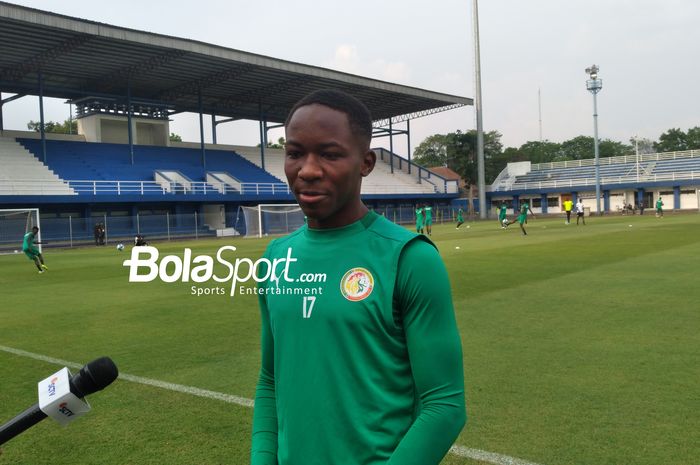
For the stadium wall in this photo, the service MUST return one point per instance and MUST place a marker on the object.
(685, 196)
(35, 135)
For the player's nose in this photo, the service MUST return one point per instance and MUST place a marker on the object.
(310, 168)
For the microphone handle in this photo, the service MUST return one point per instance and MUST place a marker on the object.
(21, 422)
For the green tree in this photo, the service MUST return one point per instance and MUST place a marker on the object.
(611, 148)
(672, 140)
(582, 147)
(67, 127)
(578, 148)
(539, 152)
(175, 138)
(693, 138)
(432, 151)
(457, 151)
(272, 145)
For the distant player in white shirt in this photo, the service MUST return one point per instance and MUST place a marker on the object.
(579, 212)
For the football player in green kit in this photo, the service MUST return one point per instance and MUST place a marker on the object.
(659, 208)
(502, 211)
(428, 218)
(522, 218)
(419, 219)
(31, 251)
(369, 370)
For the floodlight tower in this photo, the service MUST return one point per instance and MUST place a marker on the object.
(481, 176)
(594, 85)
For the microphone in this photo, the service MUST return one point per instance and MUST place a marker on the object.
(61, 396)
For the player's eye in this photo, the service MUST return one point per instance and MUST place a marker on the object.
(293, 154)
(331, 155)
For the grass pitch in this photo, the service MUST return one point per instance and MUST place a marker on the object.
(581, 346)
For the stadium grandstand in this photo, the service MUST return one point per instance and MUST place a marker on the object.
(121, 167)
(628, 183)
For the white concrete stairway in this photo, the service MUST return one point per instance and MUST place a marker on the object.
(22, 174)
(274, 160)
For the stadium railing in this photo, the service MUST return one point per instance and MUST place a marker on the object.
(440, 184)
(117, 187)
(622, 159)
(608, 180)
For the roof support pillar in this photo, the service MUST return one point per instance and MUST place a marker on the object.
(408, 143)
(391, 147)
(676, 197)
(2, 128)
(41, 116)
(201, 127)
(129, 129)
(213, 129)
(543, 203)
(263, 136)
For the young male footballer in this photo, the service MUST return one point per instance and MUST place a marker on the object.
(31, 251)
(460, 217)
(502, 212)
(364, 365)
(428, 209)
(420, 216)
(522, 217)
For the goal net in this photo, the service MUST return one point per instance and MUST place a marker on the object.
(265, 219)
(14, 224)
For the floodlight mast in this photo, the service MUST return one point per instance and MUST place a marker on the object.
(481, 176)
(594, 85)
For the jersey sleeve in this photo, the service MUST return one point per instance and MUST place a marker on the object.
(424, 299)
(264, 443)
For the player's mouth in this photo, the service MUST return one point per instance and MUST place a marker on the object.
(310, 197)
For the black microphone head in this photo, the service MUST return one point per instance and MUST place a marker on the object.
(94, 377)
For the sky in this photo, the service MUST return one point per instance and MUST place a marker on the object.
(533, 55)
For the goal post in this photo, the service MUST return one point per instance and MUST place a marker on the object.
(14, 224)
(272, 218)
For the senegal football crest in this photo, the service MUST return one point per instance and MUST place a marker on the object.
(357, 284)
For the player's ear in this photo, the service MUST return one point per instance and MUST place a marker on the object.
(368, 161)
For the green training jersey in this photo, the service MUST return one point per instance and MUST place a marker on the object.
(460, 215)
(503, 211)
(419, 215)
(524, 208)
(659, 204)
(428, 214)
(362, 366)
(28, 242)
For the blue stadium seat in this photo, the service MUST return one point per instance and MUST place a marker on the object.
(112, 162)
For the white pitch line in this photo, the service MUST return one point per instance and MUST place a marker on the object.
(490, 457)
(476, 454)
(138, 379)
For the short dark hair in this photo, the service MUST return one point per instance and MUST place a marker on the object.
(35, 227)
(358, 114)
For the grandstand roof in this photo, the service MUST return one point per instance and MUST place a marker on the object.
(80, 58)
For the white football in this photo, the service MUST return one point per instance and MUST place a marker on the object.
(120, 247)
(505, 221)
